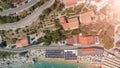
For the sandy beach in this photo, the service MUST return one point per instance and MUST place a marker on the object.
(60, 60)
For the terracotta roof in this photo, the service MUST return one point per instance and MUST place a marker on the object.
(18, 44)
(70, 40)
(88, 40)
(87, 18)
(22, 42)
(70, 2)
(73, 23)
(65, 26)
(82, 40)
(88, 50)
(62, 20)
(97, 0)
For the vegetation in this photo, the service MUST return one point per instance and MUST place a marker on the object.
(51, 36)
(108, 44)
(57, 24)
(5, 54)
(42, 17)
(23, 53)
(12, 19)
(9, 19)
(1, 9)
(2, 33)
(107, 36)
(46, 11)
(54, 36)
(60, 7)
(14, 40)
(3, 44)
(41, 2)
(75, 11)
(6, 4)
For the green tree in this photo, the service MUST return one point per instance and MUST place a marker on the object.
(42, 17)
(47, 11)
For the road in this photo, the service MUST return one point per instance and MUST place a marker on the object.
(19, 9)
(55, 47)
(115, 53)
(116, 36)
(29, 19)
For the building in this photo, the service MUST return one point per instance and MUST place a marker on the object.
(87, 18)
(90, 51)
(70, 40)
(69, 24)
(22, 42)
(70, 3)
(83, 40)
(97, 1)
(88, 40)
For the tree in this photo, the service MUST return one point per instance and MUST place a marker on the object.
(42, 17)
(3, 44)
(47, 11)
(55, 36)
(1, 9)
(14, 40)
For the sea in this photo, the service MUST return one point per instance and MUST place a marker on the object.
(45, 64)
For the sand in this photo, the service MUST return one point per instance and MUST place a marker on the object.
(60, 60)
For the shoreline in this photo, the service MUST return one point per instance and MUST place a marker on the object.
(61, 60)
(38, 56)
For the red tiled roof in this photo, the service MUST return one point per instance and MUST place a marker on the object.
(22, 42)
(70, 2)
(81, 40)
(88, 40)
(62, 20)
(87, 18)
(72, 23)
(88, 50)
(70, 40)
(97, 0)
(18, 44)
(65, 26)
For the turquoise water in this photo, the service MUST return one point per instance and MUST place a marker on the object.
(45, 64)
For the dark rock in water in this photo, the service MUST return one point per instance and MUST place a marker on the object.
(35, 60)
(8, 63)
(27, 56)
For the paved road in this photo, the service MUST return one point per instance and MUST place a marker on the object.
(56, 47)
(29, 19)
(19, 9)
(113, 52)
(116, 36)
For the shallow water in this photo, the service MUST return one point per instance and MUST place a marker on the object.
(46, 64)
